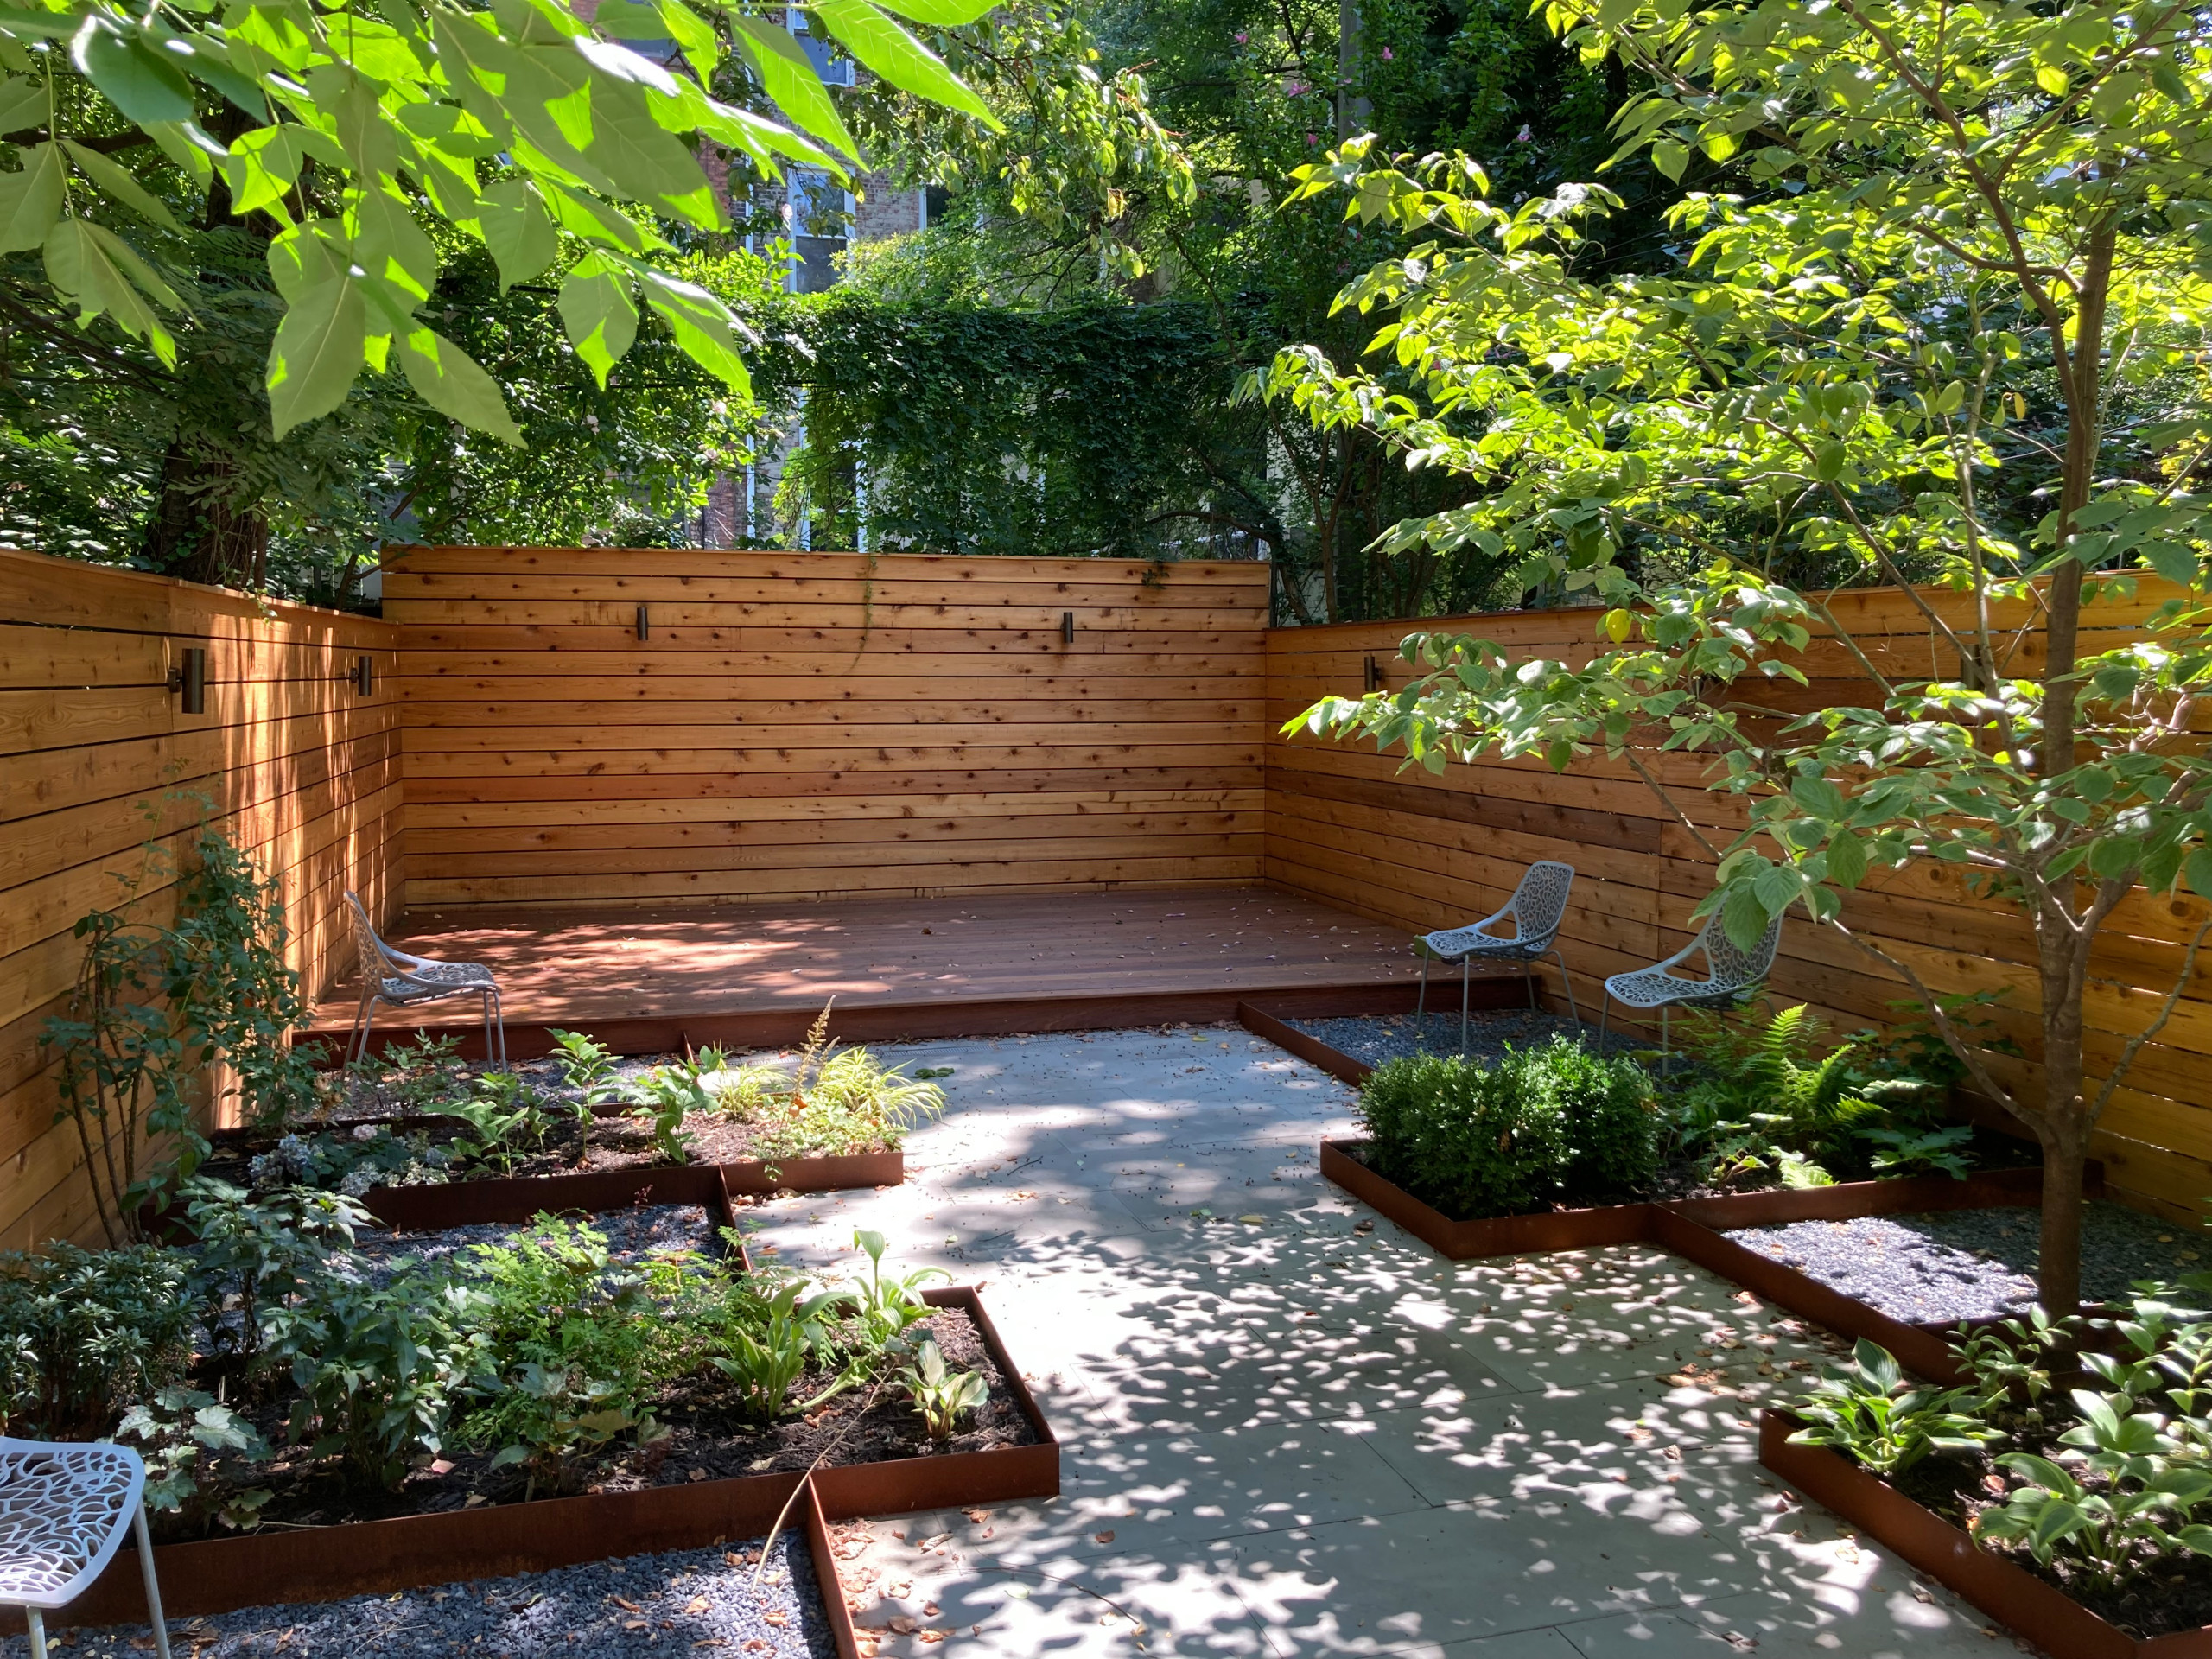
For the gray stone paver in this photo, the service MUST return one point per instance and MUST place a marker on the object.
(1285, 1438)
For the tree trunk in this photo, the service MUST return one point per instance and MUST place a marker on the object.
(199, 531)
(2058, 1267)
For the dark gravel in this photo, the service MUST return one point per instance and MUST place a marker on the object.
(631, 1235)
(1973, 1264)
(1376, 1038)
(696, 1601)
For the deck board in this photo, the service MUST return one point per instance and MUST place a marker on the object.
(751, 973)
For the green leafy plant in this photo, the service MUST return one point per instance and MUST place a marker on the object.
(769, 1342)
(85, 1333)
(2009, 1362)
(1766, 1099)
(253, 1252)
(378, 1370)
(1922, 1152)
(1867, 1409)
(506, 1119)
(886, 1305)
(835, 1101)
(2139, 1496)
(195, 1447)
(549, 1418)
(414, 1078)
(943, 1396)
(1542, 1123)
(587, 1069)
(669, 1094)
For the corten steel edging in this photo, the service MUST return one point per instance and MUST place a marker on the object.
(412, 1552)
(1853, 1200)
(219, 1575)
(955, 1479)
(519, 1198)
(1469, 1241)
(827, 1584)
(950, 1016)
(1312, 1049)
(1924, 1351)
(2008, 1593)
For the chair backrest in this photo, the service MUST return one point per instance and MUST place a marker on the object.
(63, 1511)
(376, 965)
(1734, 968)
(1539, 904)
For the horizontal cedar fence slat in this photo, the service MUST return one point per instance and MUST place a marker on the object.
(802, 725)
(1345, 826)
(298, 767)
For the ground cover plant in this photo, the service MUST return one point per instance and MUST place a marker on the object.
(1758, 1099)
(2080, 1448)
(272, 1373)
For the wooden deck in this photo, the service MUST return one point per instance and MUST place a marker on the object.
(648, 980)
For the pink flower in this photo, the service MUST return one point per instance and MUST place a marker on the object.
(1524, 136)
(1240, 37)
(1294, 90)
(1387, 56)
(1310, 140)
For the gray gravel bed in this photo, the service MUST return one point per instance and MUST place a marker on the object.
(1376, 1038)
(693, 1601)
(1973, 1264)
(631, 1235)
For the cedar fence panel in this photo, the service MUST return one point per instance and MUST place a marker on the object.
(801, 726)
(96, 761)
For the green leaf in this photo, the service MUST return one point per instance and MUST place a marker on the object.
(88, 262)
(884, 46)
(1828, 461)
(2197, 872)
(1847, 859)
(319, 349)
(1670, 157)
(30, 200)
(1743, 918)
(23, 105)
(455, 385)
(132, 76)
(787, 75)
(511, 216)
(941, 13)
(388, 244)
(599, 315)
(701, 325)
(302, 258)
(118, 181)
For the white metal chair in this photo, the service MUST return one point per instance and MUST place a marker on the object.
(1536, 909)
(1730, 974)
(63, 1511)
(401, 981)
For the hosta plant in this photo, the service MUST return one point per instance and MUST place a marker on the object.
(942, 1395)
(1868, 1410)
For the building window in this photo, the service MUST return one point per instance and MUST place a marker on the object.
(834, 70)
(821, 220)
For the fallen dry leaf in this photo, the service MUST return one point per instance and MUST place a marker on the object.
(697, 1606)
(906, 1626)
(623, 1601)
(931, 1610)
(633, 1624)
(931, 1638)
(777, 1619)
(977, 1515)
(1106, 1537)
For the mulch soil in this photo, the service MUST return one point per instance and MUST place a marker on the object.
(706, 1439)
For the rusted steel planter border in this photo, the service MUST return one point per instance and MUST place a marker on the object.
(1697, 1229)
(220, 1575)
(2009, 1593)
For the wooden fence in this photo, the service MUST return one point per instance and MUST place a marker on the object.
(621, 727)
(1346, 825)
(594, 726)
(301, 768)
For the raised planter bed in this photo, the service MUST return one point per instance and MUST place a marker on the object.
(2009, 1593)
(218, 1575)
(1697, 1229)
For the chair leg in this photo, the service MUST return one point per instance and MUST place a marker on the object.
(1420, 1007)
(153, 1586)
(1532, 984)
(1666, 1054)
(1604, 1013)
(38, 1632)
(1466, 967)
(1567, 980)
(358, 1037)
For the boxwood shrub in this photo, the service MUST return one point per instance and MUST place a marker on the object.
(1555, 1124)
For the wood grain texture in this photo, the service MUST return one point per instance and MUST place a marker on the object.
(99, 772)
(1345, 826)
(795, 727)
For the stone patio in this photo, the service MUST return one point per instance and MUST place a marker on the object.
(1286, 1436)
